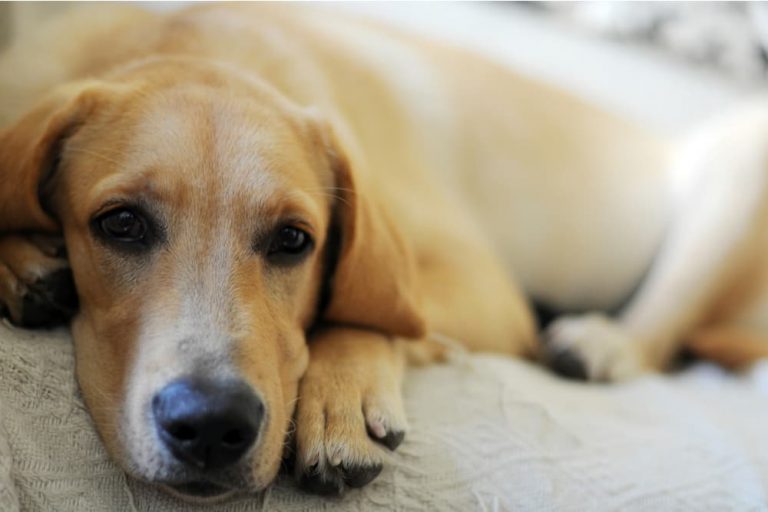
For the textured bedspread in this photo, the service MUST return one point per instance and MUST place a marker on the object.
(487, 433)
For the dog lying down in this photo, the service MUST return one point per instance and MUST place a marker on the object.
(268, 211)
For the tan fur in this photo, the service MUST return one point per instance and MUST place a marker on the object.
(733, 348)
(442, 173)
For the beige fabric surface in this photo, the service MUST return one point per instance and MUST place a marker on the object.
(488, 434)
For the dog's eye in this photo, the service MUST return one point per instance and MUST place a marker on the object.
(123, 225)
(289, 243)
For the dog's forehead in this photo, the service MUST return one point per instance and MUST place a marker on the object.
(241, 140)
(190, 144)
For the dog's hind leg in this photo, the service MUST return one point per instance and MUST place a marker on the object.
(733, 347)
(719, 188)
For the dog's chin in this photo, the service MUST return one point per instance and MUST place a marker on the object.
(199, 491)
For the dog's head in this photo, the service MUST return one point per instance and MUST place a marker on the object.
(209, 223)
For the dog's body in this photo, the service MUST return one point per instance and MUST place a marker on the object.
(471, 190)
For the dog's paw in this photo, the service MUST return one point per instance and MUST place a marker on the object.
(339, 439)
(36, 286)
(346, 421)
(592, 347)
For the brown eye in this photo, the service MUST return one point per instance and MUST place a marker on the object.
(290, 240)
(123, 225)
(289, 245)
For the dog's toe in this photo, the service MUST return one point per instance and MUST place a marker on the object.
(49, 301)
(391, 439)
(36, 284)
(384, 424)
(37, 312)
(59, 287)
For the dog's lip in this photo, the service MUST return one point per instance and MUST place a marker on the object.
(201, 490)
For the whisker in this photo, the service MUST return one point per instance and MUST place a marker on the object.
(331, 192)
(94, 154)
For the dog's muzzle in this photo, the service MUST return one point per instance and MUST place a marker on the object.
(205, 424)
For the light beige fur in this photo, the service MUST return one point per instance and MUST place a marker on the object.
(459, 190)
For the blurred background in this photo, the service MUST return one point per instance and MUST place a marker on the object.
(664, 64)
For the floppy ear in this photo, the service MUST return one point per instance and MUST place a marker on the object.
(29, 151)
(375, 282)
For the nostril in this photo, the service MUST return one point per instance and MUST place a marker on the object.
(235, 438)
(182, 432)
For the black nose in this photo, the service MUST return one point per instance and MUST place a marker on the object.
(206, 423)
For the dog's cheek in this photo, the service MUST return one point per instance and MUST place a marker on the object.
(101, 366)
(273, 365)
(293, 366)
(279, 428)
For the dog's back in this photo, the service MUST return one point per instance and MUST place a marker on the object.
(438, 128)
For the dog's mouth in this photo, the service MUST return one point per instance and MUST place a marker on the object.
(201, 490)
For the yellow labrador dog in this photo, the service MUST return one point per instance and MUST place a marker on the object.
(269, 210)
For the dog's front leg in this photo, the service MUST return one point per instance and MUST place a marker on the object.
(719, 196)
(350, 409)
(36, 287)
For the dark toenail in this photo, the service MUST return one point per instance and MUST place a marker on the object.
(361, 475)
(567, 364)
(35, 312)
(49, 301)
(392, 440)
(61, 287)
(326, 484)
